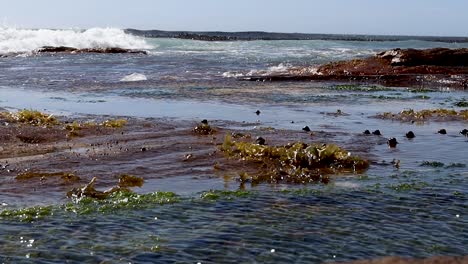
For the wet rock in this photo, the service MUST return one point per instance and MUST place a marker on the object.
(260, 141)
(377, 133)
(392, 142)
(464, 132)
(306, 129)
(204, 121)
(367, 132)
(398, 67)
(410, 135)
(258, 112)
(442, 131)
(143, 149)
(71, 50)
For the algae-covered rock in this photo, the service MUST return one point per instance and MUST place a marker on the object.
(294, 163)
(31, 117)
(204, 129)
(426, 114)
(114, 123)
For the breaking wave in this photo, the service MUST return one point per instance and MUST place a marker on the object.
(14, 40)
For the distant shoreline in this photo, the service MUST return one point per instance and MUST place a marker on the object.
(260, 35)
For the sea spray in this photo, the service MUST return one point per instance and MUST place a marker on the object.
(14, 40)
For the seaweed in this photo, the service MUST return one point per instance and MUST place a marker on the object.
(294, 163)
(440, 113)
(228, 195)
(27, 214)
(130, 181)
(89, 191)
(32, 117)
(66, 177)
(204, 129)
(120, 200)
(114, 123)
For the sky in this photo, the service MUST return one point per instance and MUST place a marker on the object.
(382, 17)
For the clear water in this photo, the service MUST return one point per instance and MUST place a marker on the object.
(414, 211)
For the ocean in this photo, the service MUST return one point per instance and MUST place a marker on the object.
(416, 210)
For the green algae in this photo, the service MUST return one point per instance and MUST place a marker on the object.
(31, 117)
(228, 195)
(294, 163)
(120, 200)
(404, 187)
(27, 214)
(359, 88)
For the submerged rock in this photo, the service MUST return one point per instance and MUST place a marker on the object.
(410, 135)
(306, 129)
(464, 132)
(442, 131)
(392, 142)
(377, 133)
(367, 132)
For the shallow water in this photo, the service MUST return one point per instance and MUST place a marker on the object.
(415, 210)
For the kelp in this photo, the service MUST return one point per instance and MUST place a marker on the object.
(65, 176)
(294, 163)
(32, 117)
(427, 114)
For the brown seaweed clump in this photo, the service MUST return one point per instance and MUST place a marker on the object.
(130, 181)
(32, 117)
(294, 163)
(65, 176)
(427, 114)
(89, 191)
(204, 129)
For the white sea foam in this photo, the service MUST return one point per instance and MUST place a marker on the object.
(134, 77)
(14, 40)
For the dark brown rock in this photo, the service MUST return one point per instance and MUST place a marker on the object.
(62, 49)
(397, 67)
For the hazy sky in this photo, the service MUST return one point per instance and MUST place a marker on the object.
(403, 17)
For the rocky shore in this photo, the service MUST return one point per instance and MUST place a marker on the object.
(397, 67)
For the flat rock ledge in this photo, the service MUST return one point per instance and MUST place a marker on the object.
(398, 67)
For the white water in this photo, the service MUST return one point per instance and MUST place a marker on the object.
(134, 77)
(14, 40)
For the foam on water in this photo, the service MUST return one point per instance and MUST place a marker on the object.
(134, 77)
(14, 40)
